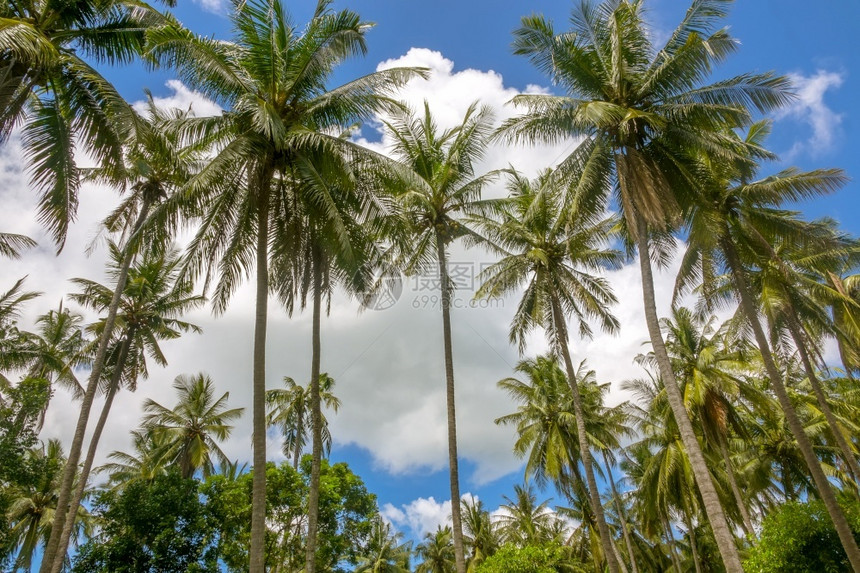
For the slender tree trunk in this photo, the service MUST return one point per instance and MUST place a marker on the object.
(825, 490)
(673, 550)
(454, 471)
(787, 486)
(55, 555)
(711, 501)
(694, 547)
(112, 389)
(316, 417)
(736, 490)
(582, 437)
(258, 497)
(297, 449)
(619, 507)
(800, 342)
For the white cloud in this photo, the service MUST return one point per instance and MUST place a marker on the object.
(420, 516)
(811, 109)
(183, 98)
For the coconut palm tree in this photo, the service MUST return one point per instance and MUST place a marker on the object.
(436, 552)
(480, 533)
(188, 434)
(144, 464)
(641, 110)
(49, 88)
(14, 345)
(437, 188)
(154, 298)
(12, 244)
(284, 121)
(32, 509)
(288, 409)
(735, 217)
(524, 521)
(553, 251)
(846, 319)
(155, 162)
(385, 553)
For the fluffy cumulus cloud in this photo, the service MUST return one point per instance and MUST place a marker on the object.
(183, 98)
(388, 363)
(420, 516)
(811, 109)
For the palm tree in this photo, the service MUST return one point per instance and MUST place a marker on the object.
(732, 220)
(711, 377)
(437, 552)
(288, 409)
(188, 434)
(846, 319)
(14, 345)
(58, 347)
(49, 87)
(153, 299)
(154, 163)
(642, 111)
(12, 244)
(552, 250)
(274, 79)
(480, 533)
(524, 521)
(32, 509)
(385, 553)
(144, 464)
(437, 188)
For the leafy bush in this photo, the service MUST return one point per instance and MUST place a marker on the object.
(800, 537)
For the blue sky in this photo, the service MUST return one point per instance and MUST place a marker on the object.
(388, 364)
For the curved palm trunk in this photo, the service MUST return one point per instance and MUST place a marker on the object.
(454, 472)
(839, 436)
(825, 490)
(711, 501)
(113, 387)
(316, 418)
(582, 437)
(625, 530)
(258, 400)
(736, 490)
(297, 448)
(55, 554)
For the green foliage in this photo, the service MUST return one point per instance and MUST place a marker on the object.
(800, 537)
(161, 525)
(549, 558)
(346, 512)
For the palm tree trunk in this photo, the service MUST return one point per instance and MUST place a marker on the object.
(736, 490)
(625, 530)
(55, 554)
(258, 496)
(673, 550)
(694, 547)
(582, 437)
(316, 417)
(112, 389)
(824, 488)
(711, 501)
(454, 471)
(799, 341)
(297, 449)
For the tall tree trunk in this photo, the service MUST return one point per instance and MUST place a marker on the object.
(316, 417)
(800, 341)
(582, 437)
(825, 490)
(55, 555)
(113, 387)
(736, 490)
(453, 466)
(694, 547)
(619, 507)
(297, 448)
(673, 550)
(258, 496)
(711, 501)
